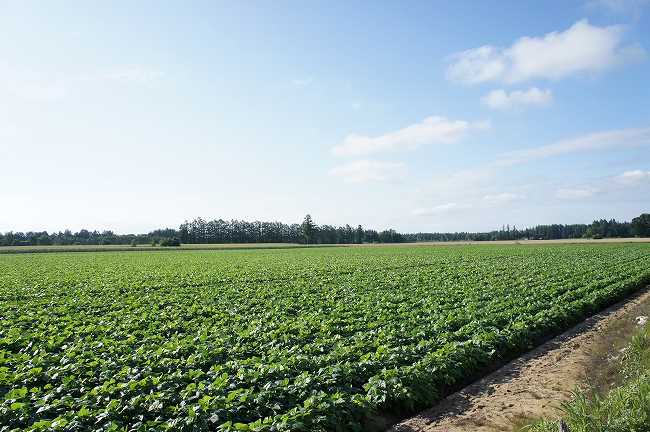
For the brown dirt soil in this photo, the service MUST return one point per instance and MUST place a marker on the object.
(535, 384)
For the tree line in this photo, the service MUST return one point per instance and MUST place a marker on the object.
(235, 231)
(200, 231)
(638, 227)
(85, 237)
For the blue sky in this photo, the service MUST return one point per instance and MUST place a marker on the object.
(432, 116)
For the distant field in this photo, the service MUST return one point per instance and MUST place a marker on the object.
(313, 339)
(139, 248)
(527, 242)
(219, 246)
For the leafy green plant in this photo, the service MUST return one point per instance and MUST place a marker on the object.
(170, 242)
(294, 339)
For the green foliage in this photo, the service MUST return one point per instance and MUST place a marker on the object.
(624, 408)
(200, 231)
(308, 228)
(170, 242)
(279, 340)
(641, 225)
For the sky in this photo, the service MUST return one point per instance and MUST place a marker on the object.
(417, 116)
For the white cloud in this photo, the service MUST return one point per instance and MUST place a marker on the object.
(432, 130)
(634, 177)
(501, 99)
(136, 74)
(469, 185)
(303, 82)
(39, 91)
(503, 198)
(614, 139)
(363, 171)
(575, 194)
(579, 49)
(31, 84)
(466, 197)
(481, 185)
(36, 85)
(486, 63)
(440, 209)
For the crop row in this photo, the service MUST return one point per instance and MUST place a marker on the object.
(305, 339)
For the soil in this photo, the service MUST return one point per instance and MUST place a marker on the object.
(513, 242)
(535, 384)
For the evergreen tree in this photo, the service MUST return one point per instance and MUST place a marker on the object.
(308, 228)
(641, 225)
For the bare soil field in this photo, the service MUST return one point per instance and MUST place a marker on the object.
(524, 242)
(535, 384)
(234, 246)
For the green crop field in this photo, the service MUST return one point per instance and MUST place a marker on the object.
(287, 339)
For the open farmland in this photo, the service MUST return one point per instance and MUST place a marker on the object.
(287, 339)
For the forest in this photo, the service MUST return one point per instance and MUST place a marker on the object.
(200, 231)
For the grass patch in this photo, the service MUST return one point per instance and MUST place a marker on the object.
(622, 408)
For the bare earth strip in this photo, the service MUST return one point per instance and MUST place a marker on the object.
(535, 384)
(222, 246)
(512, 242)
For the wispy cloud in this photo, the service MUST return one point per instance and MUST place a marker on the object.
(441, 209)
(134, 74)
(482, 186)
(503, 100)
(581, 48)
(503, 198)
(432, 130)
(31, 84)
(39, 91)
(575, 194)
(634, 177)
(302, 82)
(35, 85)
(607, 140)
(363, 171)
(456, 191)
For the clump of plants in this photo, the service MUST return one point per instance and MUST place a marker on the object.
(168, 242)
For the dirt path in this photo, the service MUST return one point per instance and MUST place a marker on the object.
(534, 384)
